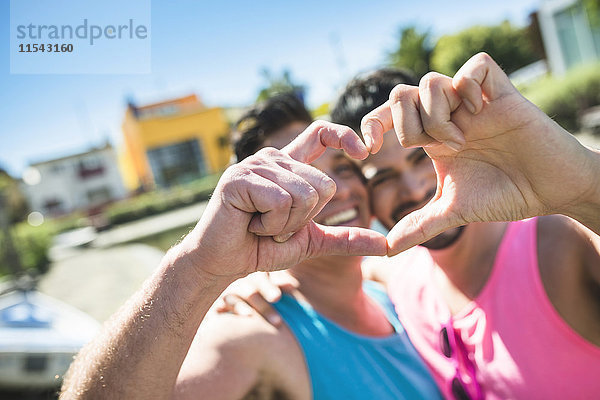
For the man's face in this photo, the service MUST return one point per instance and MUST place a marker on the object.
(400, 181)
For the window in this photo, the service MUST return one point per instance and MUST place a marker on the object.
(99, 195)
(90, 166)
(177, 163)
(52, 205)
(567, 35)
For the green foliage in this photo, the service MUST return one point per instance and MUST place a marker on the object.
(563, 98)
(15, 201)
(592, 7)
(160, 201)
(279, 84)
(69, 222)
(414, 51)
(509, 46)
(31, 244)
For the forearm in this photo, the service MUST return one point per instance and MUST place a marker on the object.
(141, 349)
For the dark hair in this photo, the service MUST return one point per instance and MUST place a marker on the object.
(265, 118)
(366, 92)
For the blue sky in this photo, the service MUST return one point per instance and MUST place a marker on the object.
(217, 50)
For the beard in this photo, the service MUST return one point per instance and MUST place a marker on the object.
(439, 242)
(444, 239)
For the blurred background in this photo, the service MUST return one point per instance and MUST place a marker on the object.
(101, 174)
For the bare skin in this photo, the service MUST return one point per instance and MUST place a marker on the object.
(513, 162)
(256, 360)
(519, 159)
(567, 256)
(141, 349)
(510, 155)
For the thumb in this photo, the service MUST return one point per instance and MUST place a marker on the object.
(419, 226)
(345, 241)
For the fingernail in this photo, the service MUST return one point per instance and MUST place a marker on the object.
(453, 145)
(283, 238)
(274, 319)
(469, 106)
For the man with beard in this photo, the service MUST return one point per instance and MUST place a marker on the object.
(497, 309)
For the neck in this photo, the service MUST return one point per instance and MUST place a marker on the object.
(333, 287)
(329, 282)
(467, 264)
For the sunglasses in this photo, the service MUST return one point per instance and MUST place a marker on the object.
(464, 382)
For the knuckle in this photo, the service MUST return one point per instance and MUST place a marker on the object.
(311, 197)
(431, 80)
(282, 201)
(460, 81)
(320, 124)
(425, 80)
(370, 120)
(482, 57)
(234, 176)
(328, 185)
(236, 170)
(398, 93)
(266, 152)
(318, 127)
(434, 125)
(345, 131)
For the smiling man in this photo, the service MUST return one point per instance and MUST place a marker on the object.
(497, 309)
(341, 338)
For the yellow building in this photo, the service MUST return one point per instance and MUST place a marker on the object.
(173, 142)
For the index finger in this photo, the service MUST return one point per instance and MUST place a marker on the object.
(375, 124)
(310, 144)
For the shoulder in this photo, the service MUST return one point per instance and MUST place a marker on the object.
(234, 354)
(559, 246)
(566, 241)
(568, 252)
(249, 336)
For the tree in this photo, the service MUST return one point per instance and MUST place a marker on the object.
(15, 201)
(279, 84)
(508, 45)
(592, 8)
(414, 51)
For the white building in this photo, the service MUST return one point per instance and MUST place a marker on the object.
(76, 182)
(568, 38)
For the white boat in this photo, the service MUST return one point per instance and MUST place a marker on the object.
(39, 336)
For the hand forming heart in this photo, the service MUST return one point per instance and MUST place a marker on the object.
(496, 157)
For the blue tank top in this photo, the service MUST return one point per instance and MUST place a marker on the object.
(345, 365)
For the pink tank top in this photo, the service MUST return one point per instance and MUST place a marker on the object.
(521, 347)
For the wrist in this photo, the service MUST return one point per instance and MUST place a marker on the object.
(197, 267)
(587, 205)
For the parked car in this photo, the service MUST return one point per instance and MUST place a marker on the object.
(39, 336)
